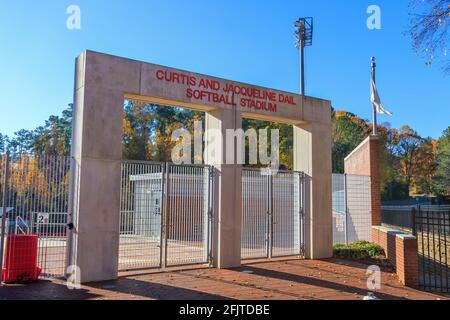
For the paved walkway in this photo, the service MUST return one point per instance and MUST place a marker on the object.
(293, 279)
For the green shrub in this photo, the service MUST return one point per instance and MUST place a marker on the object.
(358, 250)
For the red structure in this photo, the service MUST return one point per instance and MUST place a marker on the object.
(20, 262)
(364, 160)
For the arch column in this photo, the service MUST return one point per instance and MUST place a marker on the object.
(96, 163)
(227, 221)
(312, 155)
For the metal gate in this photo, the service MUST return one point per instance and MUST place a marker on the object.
(273, 214)
(432, 228)
(165, 217)
(34, 200)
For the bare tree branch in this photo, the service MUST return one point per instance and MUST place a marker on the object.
(429, 26)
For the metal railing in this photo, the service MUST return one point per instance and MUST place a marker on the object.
(165, 215)
(140, 215)
(187, 214)
(287, 209)
(351, 208)
(431, 225)
(255, 222)
(21, 226)
(432, 228)
(403, 217)
(399, 217)
(272, 214)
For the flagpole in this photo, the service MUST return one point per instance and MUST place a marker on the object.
(373, 65)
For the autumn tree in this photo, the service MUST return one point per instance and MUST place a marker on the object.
(3, 143)
(137, 127)
(441, 180)
(407, 161)
(21, 142)
(286, 141)
(392, 184)
(148, 129)
(408, 151)
(54, 137)
(348, 132)
(426, 167)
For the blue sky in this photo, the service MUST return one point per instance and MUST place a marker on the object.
(248, 41)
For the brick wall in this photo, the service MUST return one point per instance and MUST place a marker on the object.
(401, 251)
(364, 161)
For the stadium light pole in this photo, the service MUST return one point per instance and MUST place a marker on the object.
(303, 38)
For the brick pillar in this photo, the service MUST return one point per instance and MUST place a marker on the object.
(407, 260)
(401, 250)
(375, 190)
(364, 161)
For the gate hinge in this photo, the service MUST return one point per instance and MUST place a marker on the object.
(302, 212)
(210, 260)
(302, 249)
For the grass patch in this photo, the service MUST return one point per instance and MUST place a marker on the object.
(358, 250)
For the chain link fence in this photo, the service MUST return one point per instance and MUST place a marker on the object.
(351, 208)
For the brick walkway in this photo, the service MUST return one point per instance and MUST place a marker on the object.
(292, 279)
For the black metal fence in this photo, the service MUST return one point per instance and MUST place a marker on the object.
(431, 226)
(399, 217)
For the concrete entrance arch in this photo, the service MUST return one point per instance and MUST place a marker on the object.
(102, 83)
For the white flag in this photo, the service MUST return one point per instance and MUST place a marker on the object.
(375, 99)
